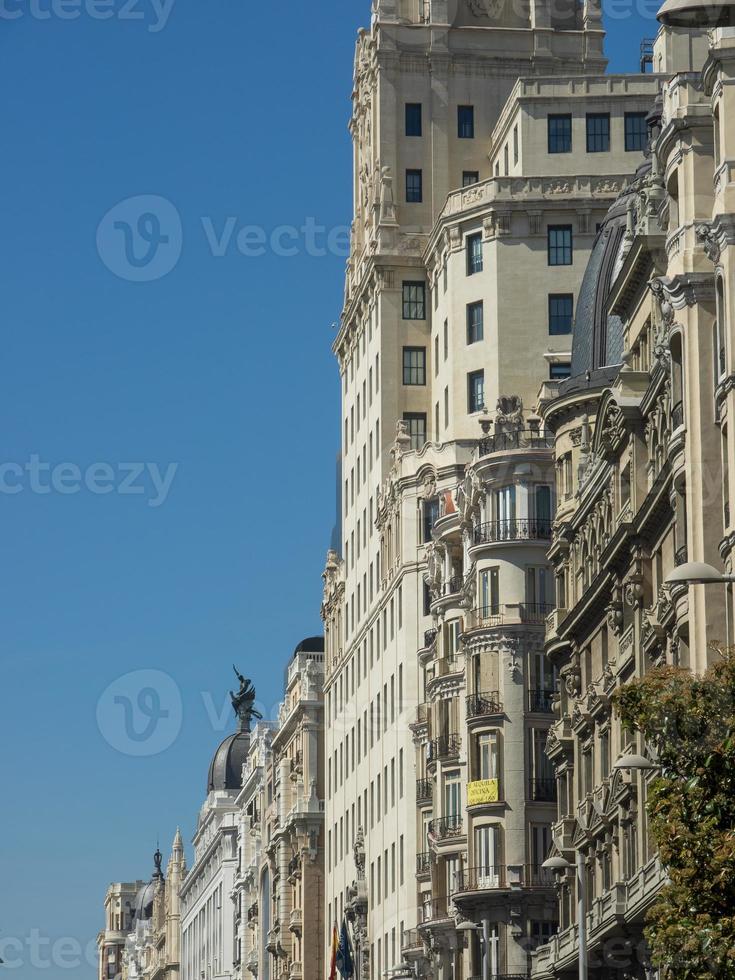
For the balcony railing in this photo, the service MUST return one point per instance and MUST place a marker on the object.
(444, 747)
(680, 555)
(541, 701)
(484, 878)
(542, 790)
(513, 529)
(487, 703)
(537, 875)
(422, 713)
(424, 790)
(412, 939)
(535, 612)
(433, 909)
(453, 585)
(444, 828)
(423, 863)
(677, 415)
(523, 439)
(530, 613)
(429, 637)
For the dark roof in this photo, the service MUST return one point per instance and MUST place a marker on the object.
(312, 644)
(225, 770)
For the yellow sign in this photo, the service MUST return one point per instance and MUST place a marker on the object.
(483, 791)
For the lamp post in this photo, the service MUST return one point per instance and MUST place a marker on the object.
(467, 925)
(561, 864)
(697, 573)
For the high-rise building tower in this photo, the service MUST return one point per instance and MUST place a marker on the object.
(431, 79)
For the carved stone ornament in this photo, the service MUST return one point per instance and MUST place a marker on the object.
(615, 617)
(710, 242)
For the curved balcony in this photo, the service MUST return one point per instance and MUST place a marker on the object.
(484, 704)
(435, 910)
(515, 614)
(487, 878)
(503, 442)
(446, 828)
(424, 790)
(430, 637)
(443, 747)
(423, 863)
(511, 530)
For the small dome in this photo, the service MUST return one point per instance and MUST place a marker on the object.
(697, 13)
(225, 770)
(143, 907)
(312, 644)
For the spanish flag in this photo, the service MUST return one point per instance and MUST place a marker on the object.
(335, 947)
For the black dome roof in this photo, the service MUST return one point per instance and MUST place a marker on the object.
(312, 644)
(225, 770)
(598, 336)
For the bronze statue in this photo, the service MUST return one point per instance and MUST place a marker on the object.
(242, 702)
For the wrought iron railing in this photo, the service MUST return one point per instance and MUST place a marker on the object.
(542, 790)
(535, 612)
(680, 555)
(412, 939)
(541, 701)
(433, 909)
(521, 439)
(486, 703)
(423, 863)
(424, 790)
(479, 879)
(677, 415)
(538, 875)
(513, 529)
(429, 637)
(442, 828)
(443, 747)
(453, 585)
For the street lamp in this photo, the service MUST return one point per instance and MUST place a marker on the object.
(634, 761)
(697, 573)
(467, 925)
(558, 863)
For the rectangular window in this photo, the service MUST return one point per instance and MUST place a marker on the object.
(515, 144)
(416, 425)
(475, 391)
(474, 253)
(560, 370)
(446, 339)
(598, 132)
(466, 122)
(490, 592)
(413, 119)
(559, 134)
(560, 245)
(414, 186)
(470, 177)
(636, 131)
(414, 301)
(414, 365)
(431, 516)
(561, 312)
(475, 322)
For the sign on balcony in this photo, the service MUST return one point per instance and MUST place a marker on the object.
(483, 791)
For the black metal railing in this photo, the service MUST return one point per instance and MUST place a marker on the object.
(423, 863)
(424, 790)
(522, 439)
(443, 747)
(487, 616)
(442, 828)
(541, 701)
(542, 790)
(433, 909)
(677, 415)
(513, 529)
(412, 939)
(429, 637)
(538, 876)
(536, 612)
(680, 556)
(481, 879)
(486, 703)
(453, 585)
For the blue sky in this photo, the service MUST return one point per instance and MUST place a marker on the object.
(208, 396)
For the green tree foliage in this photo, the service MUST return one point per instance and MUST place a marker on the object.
(690, 723)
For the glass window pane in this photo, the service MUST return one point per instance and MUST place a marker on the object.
(636, 131)
(598, 132)
(413, 119)
(560, 134)
(414, 187)
(466, 122)
(475, 322)
(474, 254)
(561, 313)
(560, 244)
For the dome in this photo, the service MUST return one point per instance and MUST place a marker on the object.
(598, 336)
(143, 905)
(225, 770)
(312, 644)
(697, 13)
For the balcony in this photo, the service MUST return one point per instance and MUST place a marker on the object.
(423, 863)
(295, 921)
(677, 416)
(445, 828)
(430, 637)
(434, 910)
(424, 790)
(487, 878)
(542, 790)
(509, 614)
(536, 612)
(482, 705)
(412, 940)
(444, 747)
(453, 585)
(523, 439)
(513, 529)
(541, 702)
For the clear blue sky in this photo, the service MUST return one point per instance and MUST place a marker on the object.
(222, 367)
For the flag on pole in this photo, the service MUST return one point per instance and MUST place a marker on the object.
(344, 955)
(335, 947)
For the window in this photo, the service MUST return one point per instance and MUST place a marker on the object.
(475, 391)
(474, 253)
(488, 756)
(470, 177)
(490, 592)
(559, 134)
(560, 244)
(414, 186)
(446, 339)
(466, 122)
(474, 322)
(413, 119)
(430, 517)
(560, 370)
(505, 160)
(561, 311)
(414, 301)
(515, 144)
(598, 132)
(414, 365)
(636, 131)
(416, 426)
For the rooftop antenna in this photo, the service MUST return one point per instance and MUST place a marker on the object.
(646, 54)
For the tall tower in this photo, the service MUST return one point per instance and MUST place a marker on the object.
(431, 79)
(175, 875)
